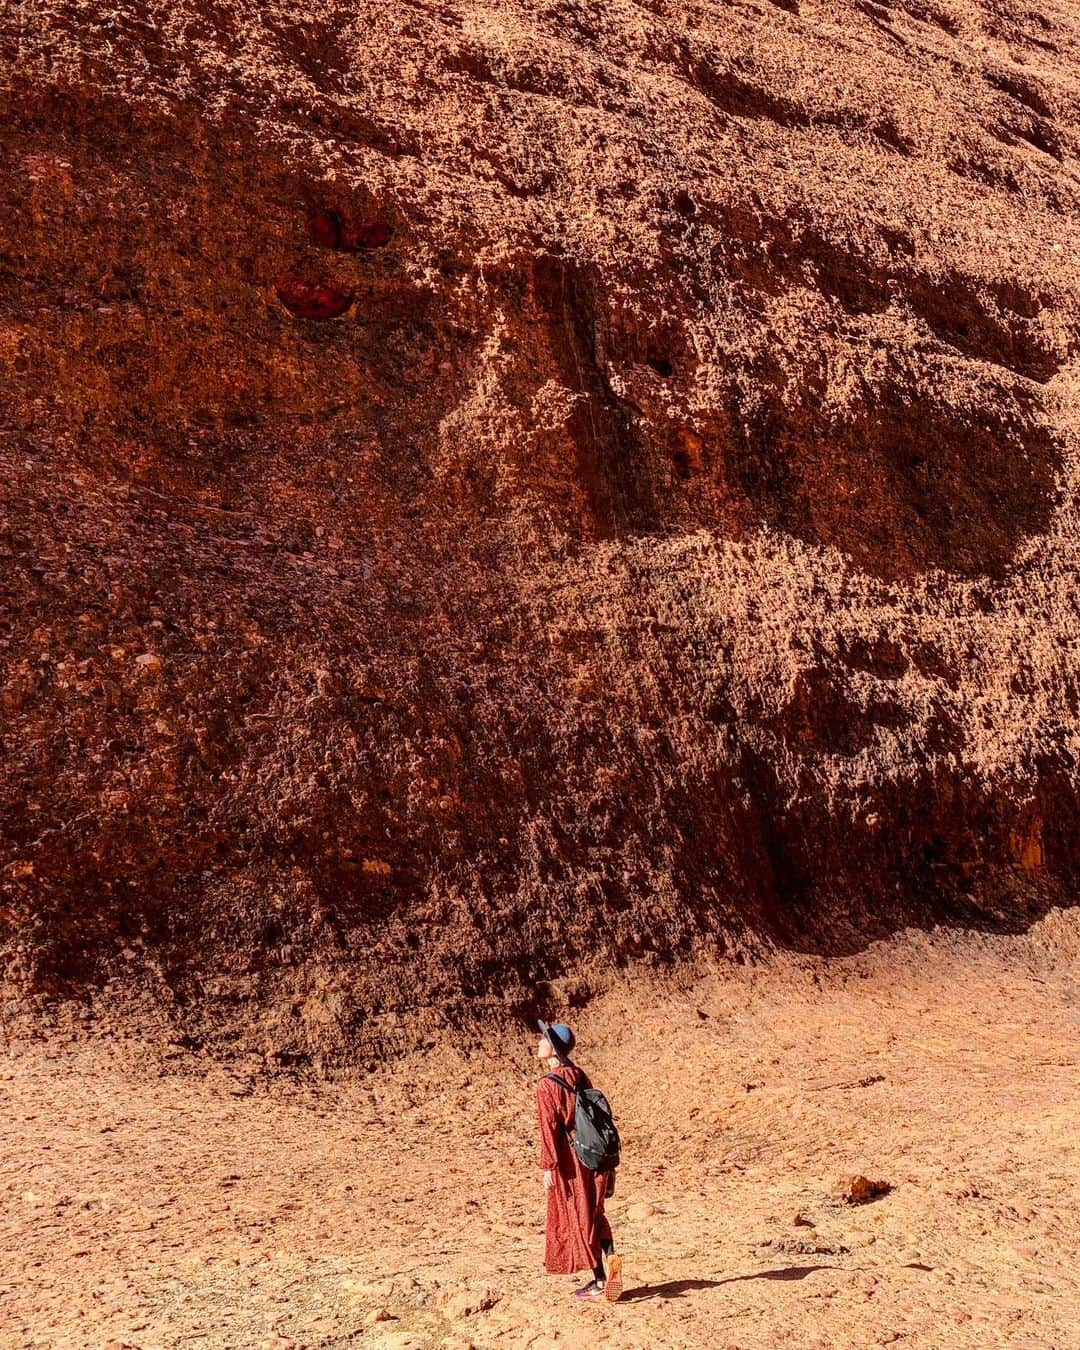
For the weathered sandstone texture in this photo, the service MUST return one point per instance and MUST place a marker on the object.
(496, 491)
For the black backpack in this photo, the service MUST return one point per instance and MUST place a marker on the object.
(595, 1138)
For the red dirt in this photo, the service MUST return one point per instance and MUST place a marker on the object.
(671, 550)
(173, 1204)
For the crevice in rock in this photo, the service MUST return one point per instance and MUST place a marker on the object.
(318, 300)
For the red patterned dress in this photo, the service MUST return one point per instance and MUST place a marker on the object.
(576, 1223)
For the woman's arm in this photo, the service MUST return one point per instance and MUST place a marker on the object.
(549, 1127)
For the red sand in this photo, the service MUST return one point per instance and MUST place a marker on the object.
(183, 1204)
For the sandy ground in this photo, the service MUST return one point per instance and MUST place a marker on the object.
(149, 1204)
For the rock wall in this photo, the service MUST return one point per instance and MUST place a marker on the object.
(494, 492)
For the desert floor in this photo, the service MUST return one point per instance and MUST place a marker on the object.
(169, 1202)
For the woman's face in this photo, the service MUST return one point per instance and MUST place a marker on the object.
(543, 1049)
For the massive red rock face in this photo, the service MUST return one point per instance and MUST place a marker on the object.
(497, 490)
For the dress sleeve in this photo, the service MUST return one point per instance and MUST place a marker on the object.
(545, 1108)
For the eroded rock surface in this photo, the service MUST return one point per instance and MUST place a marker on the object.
(496, 490)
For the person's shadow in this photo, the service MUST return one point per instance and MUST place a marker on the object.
(679, 1288)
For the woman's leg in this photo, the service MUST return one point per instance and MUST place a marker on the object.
(613, 1285)
(607, 1249)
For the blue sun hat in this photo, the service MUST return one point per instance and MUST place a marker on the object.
(560, 1038)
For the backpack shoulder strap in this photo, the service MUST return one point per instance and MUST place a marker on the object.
(554, 1078)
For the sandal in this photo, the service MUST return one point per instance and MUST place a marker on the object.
(613, 1283)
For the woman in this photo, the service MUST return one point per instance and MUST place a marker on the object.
(578, 1233)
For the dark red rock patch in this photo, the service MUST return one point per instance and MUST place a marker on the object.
(312, 299)
(365, 234)
(324, 227)
(333, 229)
